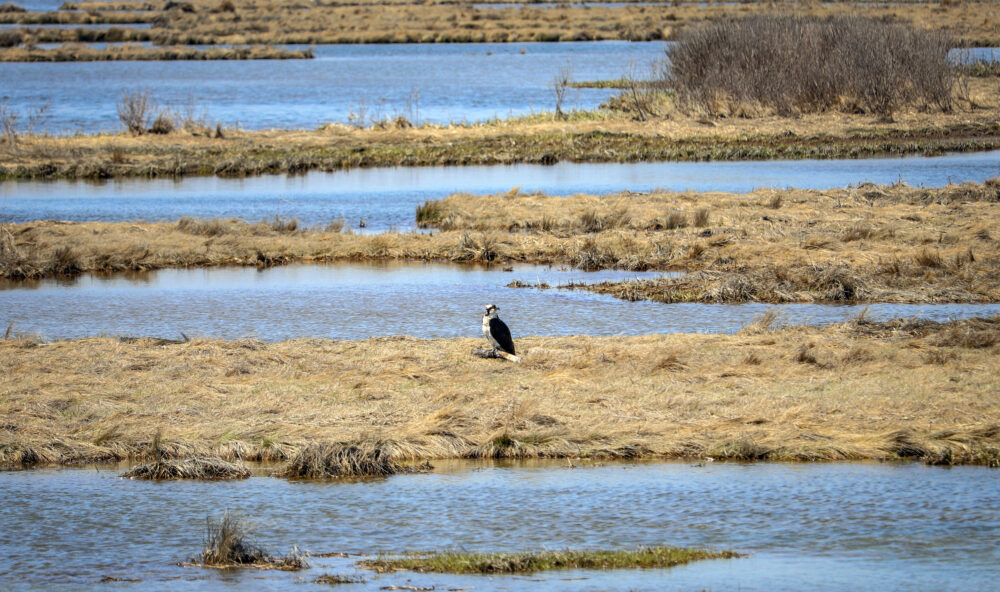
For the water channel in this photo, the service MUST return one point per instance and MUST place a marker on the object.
(822, 527)
(356, 301)
(386, 197)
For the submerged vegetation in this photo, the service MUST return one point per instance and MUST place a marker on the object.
(508, 563)
(910, 389)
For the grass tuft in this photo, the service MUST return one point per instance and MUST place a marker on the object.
(201, 468)
(330, 460)
(229, 542)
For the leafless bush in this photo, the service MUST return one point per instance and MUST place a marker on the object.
(560, 87)
(793, 64)
(10, 121)
(135, 108)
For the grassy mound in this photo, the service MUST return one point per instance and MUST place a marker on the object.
(505, 563)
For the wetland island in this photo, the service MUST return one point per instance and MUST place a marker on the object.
(747, 253)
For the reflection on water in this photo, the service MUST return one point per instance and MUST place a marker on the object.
(387, 196)
(360, 301)
(453, 82)
(806, 527)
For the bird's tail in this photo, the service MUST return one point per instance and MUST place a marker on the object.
(508, 356)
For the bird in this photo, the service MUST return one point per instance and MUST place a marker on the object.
(498, 334)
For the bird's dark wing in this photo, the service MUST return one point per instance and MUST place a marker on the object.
(500, 332)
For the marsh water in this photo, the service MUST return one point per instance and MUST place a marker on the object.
(430, 82)
(804, 527)
(356, 301)
(387, 197)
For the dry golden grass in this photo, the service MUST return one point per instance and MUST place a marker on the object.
(870, 243)
(294, 21)
(862, 391)
(865, 244)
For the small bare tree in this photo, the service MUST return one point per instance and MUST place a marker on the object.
(560, 86)
(9, 119)
(134, 109)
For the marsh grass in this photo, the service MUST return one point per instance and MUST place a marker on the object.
(611, 397)
(229, 542)
(509, 563)
(331, 460)
(922, 245)
(196, 468)
(607, 135)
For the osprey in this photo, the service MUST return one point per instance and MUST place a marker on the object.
(498, 334)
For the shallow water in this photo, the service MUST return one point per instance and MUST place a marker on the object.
(387, 197)
(806, 527)
(359, 301)
(454, 82)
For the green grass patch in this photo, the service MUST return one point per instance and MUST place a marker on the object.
(503, 563)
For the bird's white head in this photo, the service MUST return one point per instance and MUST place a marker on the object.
(491, 310)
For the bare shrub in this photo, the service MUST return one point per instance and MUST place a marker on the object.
(560, 87)
(10, 121)
(793, 64)
(135, 108)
